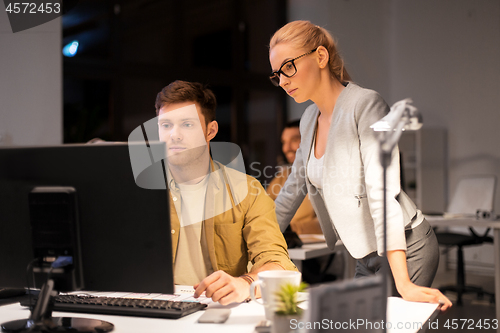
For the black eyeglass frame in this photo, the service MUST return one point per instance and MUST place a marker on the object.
(275, 76)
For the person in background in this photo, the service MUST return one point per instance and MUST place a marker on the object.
(304, 220)
(221, 218)
(338, 164)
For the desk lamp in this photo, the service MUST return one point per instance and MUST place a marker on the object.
(339, 301)
(401, 117)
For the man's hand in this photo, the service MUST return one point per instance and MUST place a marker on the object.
(223, 288)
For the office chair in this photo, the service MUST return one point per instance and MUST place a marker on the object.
(473, 196)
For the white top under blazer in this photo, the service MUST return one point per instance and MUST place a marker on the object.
(315, 169)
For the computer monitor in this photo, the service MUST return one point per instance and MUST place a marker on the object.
(358, 305)
(124, 229)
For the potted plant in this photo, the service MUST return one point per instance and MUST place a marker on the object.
(287, 308)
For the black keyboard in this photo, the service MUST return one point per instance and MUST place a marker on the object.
(124, 306)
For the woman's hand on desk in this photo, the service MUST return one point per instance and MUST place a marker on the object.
(223, 288)
(412, 292)
(407, 289)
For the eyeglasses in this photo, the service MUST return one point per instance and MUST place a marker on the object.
(288, 69)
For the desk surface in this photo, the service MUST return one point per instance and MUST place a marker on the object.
(313, 250)
(244, 317)
(461, 222)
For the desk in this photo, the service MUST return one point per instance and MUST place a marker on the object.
(314, 250)
(471, 222)
(244, 317)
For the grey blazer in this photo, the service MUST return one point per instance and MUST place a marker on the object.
(350, 204)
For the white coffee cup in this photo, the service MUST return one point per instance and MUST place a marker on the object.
(270, 282)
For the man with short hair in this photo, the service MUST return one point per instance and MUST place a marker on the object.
(304, 220)
(221, 218)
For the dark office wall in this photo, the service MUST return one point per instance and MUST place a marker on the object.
(132, 49)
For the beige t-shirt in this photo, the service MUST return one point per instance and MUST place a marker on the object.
(192, 262)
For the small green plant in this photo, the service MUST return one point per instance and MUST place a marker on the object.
(287, 299)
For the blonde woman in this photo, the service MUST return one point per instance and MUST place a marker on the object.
(338, 164)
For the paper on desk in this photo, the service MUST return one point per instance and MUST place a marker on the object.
(312, 238)
(182, 289)
(409, 314)
(181, 293)
(186, 294)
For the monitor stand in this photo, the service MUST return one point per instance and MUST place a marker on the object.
(41, 319)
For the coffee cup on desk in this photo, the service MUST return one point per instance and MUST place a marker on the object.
(270, 282)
